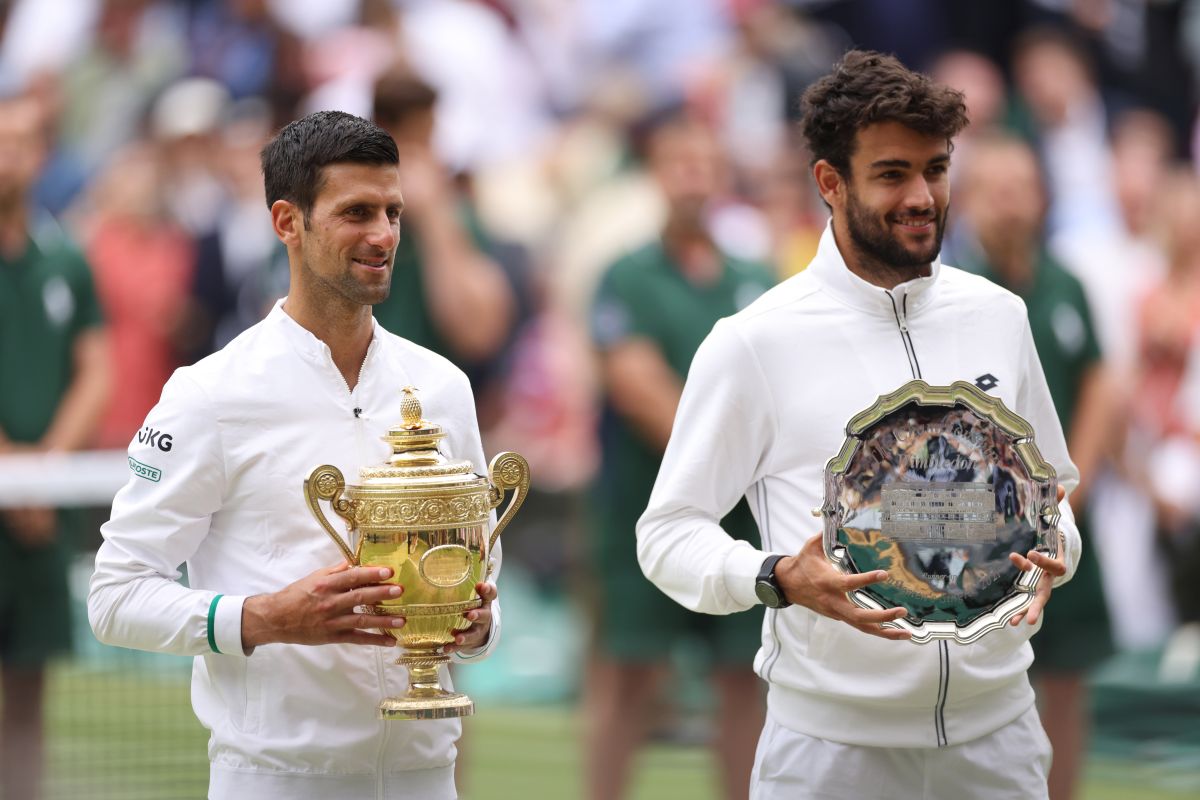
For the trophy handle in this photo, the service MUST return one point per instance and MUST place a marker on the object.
(508, 470)
(327, 483)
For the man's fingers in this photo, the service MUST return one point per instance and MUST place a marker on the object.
(1061, 493)
(894, 634)
(349, 622)
(852, 582)
(353, 577)
(1053, 566)
(873, 616)
(374, 594)
(486, 591)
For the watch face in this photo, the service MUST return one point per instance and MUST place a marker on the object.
(768, 594)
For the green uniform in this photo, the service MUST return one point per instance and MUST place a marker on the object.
(47, 299)
(1075, 633)
(645, 296)
(405, 312)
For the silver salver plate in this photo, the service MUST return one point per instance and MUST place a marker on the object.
(937, 485)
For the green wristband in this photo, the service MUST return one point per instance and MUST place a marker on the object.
(212, 618)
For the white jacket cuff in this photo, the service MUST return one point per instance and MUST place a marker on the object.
(741, 571)
(225, 625)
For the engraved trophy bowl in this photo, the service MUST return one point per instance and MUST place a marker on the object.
(937, 485)
(426, 517)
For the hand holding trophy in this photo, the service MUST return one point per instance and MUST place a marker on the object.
(938, 486)
(426, 517)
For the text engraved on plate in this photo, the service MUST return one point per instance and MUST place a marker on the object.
(938, 511)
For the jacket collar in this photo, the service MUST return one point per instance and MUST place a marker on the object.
(301, 339)
(830, 269)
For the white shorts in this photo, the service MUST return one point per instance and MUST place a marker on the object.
(1010, 764)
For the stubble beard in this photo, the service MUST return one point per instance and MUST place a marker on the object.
(345, 287)
(874, 241)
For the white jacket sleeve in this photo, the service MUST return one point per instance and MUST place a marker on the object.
(159, 518)
(718, 447)
(1036, 406)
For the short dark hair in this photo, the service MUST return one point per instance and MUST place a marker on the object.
(866, 87)
(293, 161)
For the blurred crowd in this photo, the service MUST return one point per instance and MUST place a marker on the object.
(135, 126)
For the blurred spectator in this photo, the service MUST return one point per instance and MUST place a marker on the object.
(492, 106)
(138, 48)
(1169, 324)
(236, 43)
(1066, 117)
(39, 37)
(142, 262)
(986, 95)
(54, 362)
(793, 211)
(184, 122)
(664, 46)
(1005, 201)
(1121, 262)
(241, 268)
(653, 309)
(447, 293)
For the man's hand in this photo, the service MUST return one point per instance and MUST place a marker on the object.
(320, 609)
(1051, 568)
(809, 580)
(34, 527)
(481, 622)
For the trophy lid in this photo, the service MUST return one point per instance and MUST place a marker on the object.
(415, 455)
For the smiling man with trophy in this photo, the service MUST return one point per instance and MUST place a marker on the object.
(901, 400)
(290, 628)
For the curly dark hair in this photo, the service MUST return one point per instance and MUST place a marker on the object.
(866, 87)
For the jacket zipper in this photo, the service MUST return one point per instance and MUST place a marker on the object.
(901, 314)
(939, 709)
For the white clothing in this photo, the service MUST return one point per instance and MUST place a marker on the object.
(765, 406)
(791, 766)
(217, 475)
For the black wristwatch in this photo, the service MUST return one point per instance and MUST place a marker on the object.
(766, 587)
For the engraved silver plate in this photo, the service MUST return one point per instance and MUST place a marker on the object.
(937, 485)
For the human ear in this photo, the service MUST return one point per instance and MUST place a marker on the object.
(830, 183)
(287, 220)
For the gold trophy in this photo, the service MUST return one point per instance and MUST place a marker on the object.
(426, 517)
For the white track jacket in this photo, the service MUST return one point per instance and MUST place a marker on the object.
(765, 406)
(216, 483)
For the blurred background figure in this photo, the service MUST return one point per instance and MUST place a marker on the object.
(1003, 196)
(240, 267)
(447, 293)
(651, 312)
(55, 373)
(142, 265)
(1169, 326)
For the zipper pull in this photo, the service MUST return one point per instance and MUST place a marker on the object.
(903, 323)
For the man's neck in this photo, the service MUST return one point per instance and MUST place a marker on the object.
(14, 232)
(1012, 260)
(345, 328)
(693, 251)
